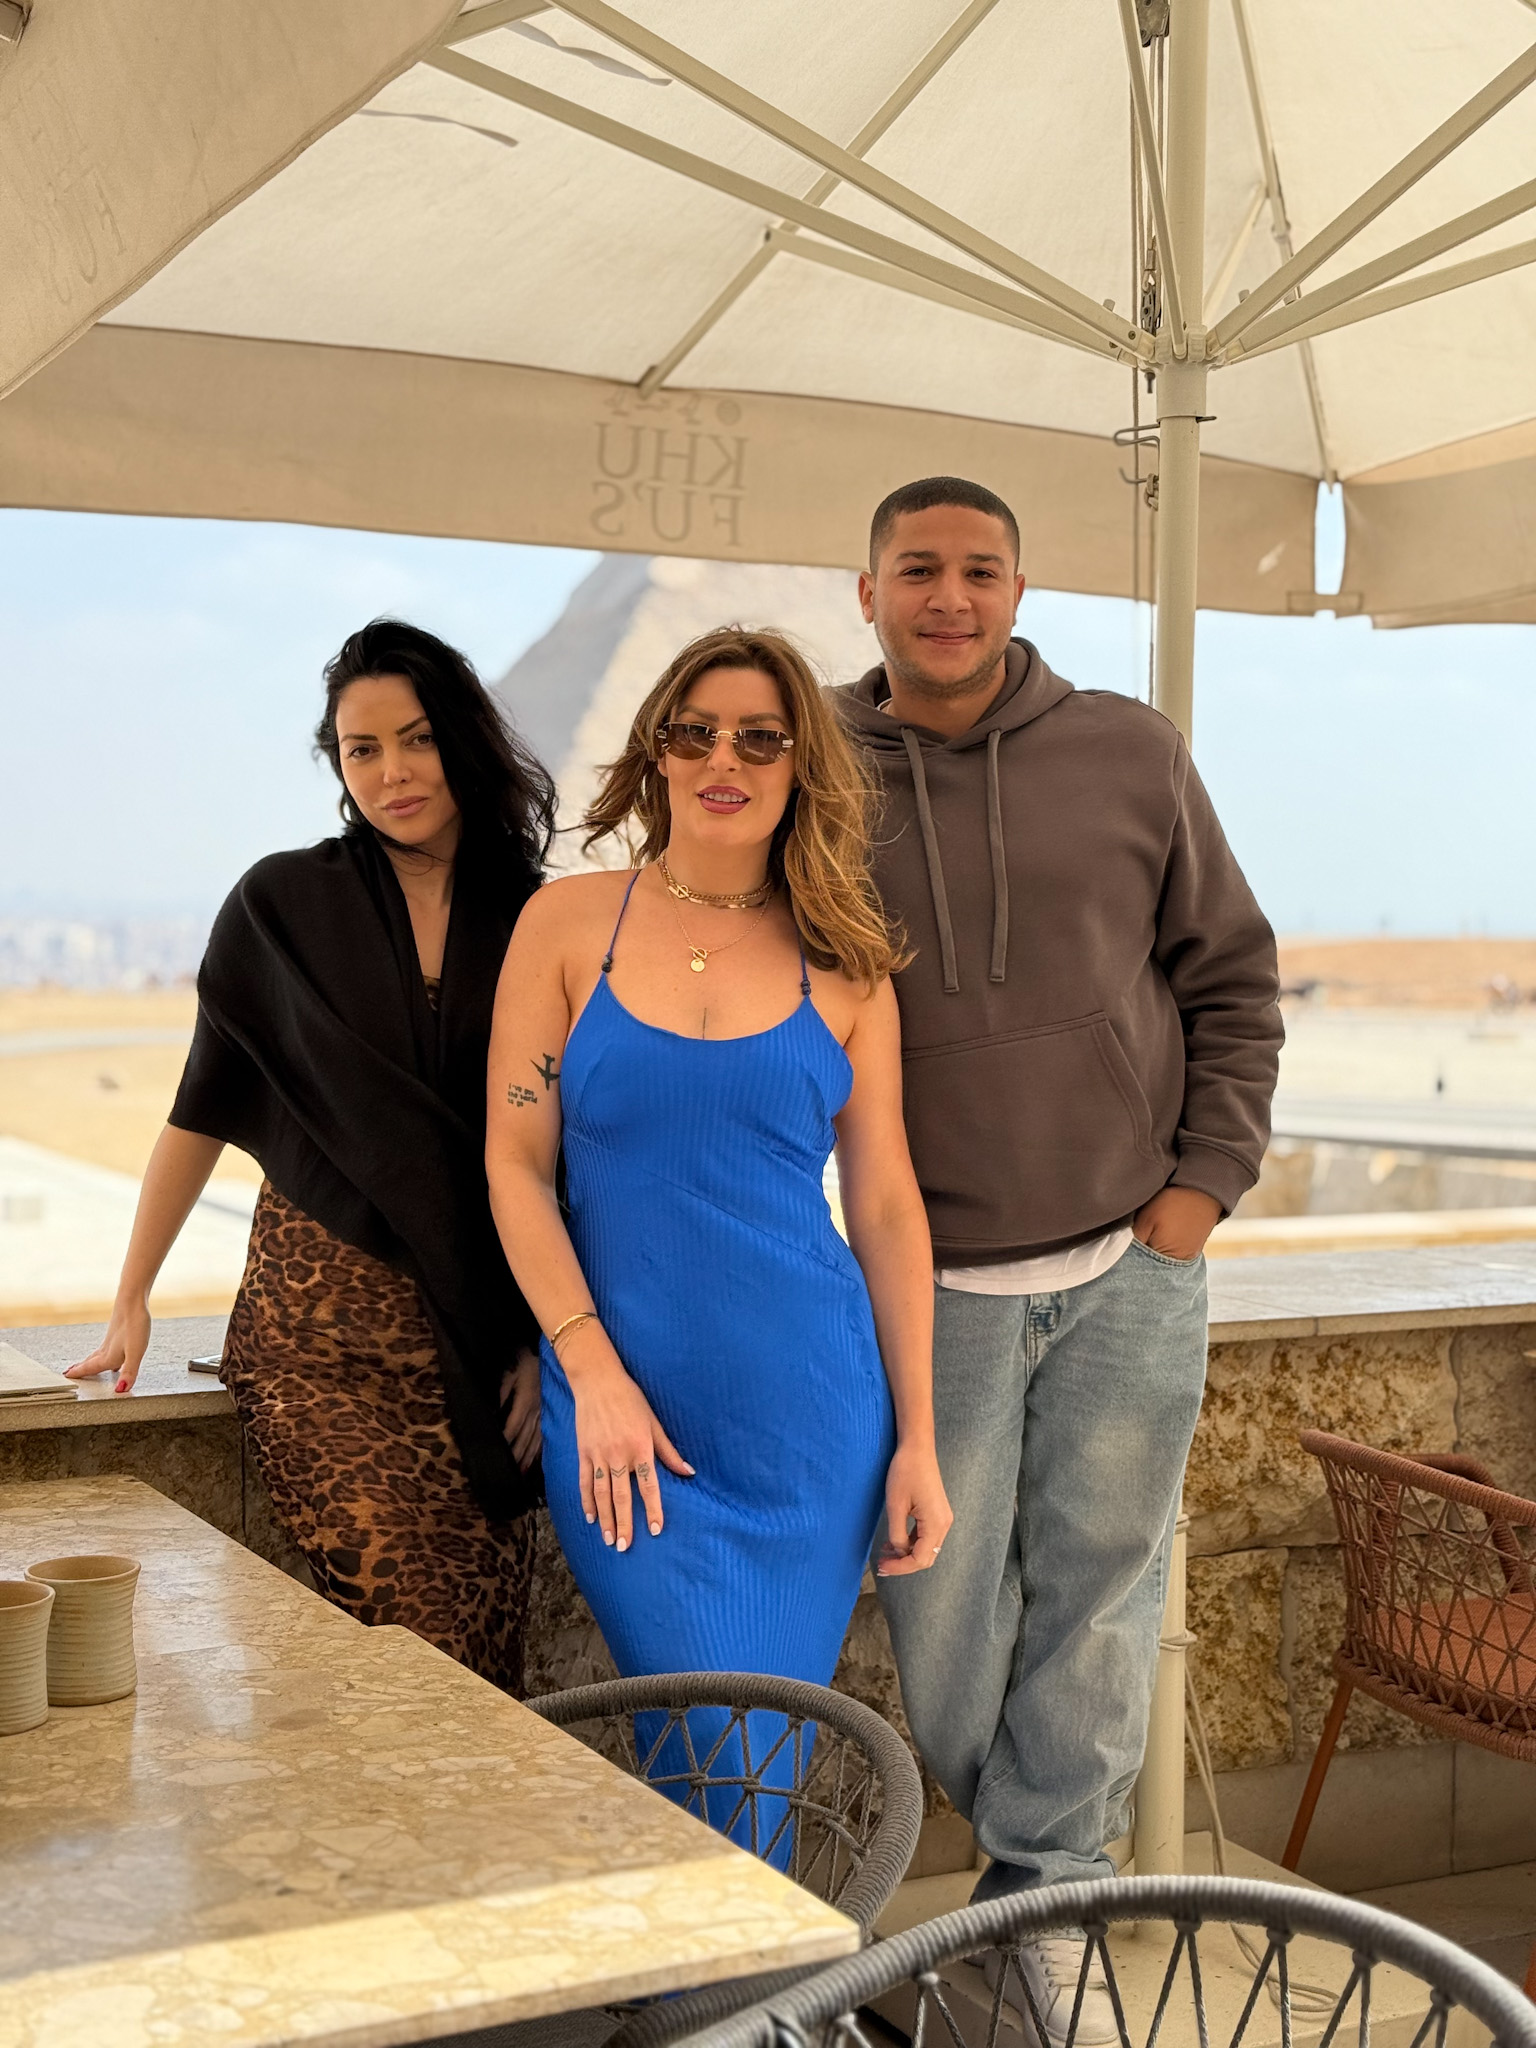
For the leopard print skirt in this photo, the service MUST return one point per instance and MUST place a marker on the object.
(332, 1367)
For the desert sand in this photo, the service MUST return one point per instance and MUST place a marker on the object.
(107, 1103)
(1439, 974)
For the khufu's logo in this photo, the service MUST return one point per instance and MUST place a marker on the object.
(671, 471)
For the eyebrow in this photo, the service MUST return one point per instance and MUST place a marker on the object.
(400, 730)
(712, 718)
(932, 555)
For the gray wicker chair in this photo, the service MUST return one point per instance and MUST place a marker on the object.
(845, 1826)
(922, 1985)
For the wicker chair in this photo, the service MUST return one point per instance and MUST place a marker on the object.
(926, 1984)
(1440, 1615)
(828, 1791)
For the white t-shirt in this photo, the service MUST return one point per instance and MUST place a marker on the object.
(1051, 1273)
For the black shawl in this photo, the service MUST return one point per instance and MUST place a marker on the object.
(317, 1051)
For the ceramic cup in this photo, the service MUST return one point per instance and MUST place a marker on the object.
(24, 1611)
(90, 1636)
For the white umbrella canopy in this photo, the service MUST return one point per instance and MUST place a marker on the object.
(126, 126)
(706, 280)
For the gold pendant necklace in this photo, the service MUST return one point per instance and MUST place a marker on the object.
(702, 955)
(748, 900)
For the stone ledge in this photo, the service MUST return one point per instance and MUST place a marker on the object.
(166, 1390)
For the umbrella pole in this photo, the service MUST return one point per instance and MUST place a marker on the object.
(1159, 1833)
(1181, 385)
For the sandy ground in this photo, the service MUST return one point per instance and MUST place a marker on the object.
(1449, 974)
(75, 1009)
(1391, 1017)
(107, 1104)
(104, 1104)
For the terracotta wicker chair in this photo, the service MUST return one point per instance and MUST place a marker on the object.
(1440, 1604)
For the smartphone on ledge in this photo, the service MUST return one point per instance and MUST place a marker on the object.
(210, 1364)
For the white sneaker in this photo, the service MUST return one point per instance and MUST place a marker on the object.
(1051, 1965)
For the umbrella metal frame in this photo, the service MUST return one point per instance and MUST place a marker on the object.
(1181, 350)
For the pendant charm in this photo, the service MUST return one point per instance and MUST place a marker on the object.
(697, 962)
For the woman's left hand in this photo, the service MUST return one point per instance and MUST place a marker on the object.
(918, 1511)
(521, 1427)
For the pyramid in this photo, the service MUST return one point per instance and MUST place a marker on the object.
(574, 693)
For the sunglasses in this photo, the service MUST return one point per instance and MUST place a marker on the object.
(757, 746)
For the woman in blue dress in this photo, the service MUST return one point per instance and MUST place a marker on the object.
(731, 1394)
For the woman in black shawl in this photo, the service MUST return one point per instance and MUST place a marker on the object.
(378, 1350)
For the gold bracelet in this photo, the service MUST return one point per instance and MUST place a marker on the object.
(582, 1315)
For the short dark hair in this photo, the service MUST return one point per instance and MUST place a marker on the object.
(504, 792)
(930, 491)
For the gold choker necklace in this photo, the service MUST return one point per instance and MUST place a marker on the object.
(751, 900)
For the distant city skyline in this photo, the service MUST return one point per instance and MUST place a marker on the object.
(101, 952)
(161, 682)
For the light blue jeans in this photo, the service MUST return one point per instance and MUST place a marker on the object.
(1027, 1654)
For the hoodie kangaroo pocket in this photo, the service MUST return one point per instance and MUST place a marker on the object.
(1030, 1136)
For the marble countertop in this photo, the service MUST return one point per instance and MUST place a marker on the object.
(302, 1830)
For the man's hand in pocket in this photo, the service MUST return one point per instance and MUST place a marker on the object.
(1177, 1221)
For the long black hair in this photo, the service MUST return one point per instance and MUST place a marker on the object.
(505, 794)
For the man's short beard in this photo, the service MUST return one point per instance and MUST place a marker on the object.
(938, 692)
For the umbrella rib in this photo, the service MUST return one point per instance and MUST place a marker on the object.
(1408, 256)
(1473, 271)
(780, 239)
(709, 319)
(926, 69)
(773, 121)
(769, 200)
(481, 20)
(1359, 214)
(1280, 221)
(1152, 170)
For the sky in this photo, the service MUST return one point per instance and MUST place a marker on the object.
(159, 680)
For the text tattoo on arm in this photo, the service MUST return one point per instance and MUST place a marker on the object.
(523, 1098)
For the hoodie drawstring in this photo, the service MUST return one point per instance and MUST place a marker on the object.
(999, 862)
(935, 866)
(936, 887)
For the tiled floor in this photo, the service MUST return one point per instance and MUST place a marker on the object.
(1490, 1912)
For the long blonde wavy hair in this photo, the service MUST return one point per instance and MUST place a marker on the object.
(820, 848)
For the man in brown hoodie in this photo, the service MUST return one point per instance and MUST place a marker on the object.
(1090, 1030)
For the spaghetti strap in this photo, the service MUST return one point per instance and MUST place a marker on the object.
(608, 956)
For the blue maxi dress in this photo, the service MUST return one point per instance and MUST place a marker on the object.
(694, 1187)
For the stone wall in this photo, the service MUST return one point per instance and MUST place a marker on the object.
(1266, 1596)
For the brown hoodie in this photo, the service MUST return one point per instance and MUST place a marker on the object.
(1093, 1012)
